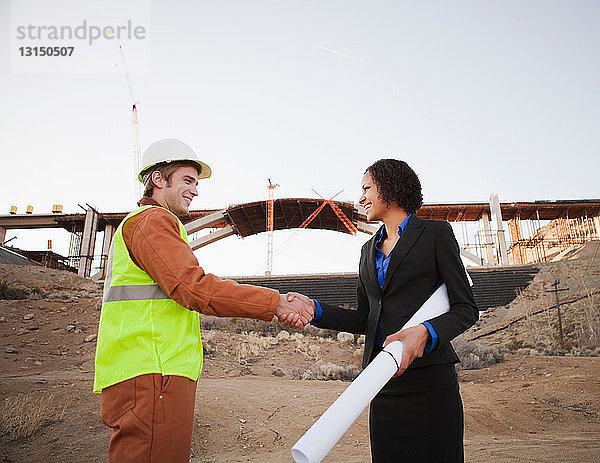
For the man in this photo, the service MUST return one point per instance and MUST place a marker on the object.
(149, 352)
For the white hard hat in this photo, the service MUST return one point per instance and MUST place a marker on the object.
(170, 150)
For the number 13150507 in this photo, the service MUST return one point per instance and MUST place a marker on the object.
(46, 51)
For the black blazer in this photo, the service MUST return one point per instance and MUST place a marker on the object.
(425, 256)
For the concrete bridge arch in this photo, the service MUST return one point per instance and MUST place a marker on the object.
(251, 218)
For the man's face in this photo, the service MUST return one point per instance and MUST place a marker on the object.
(374, 207)
(178, 194)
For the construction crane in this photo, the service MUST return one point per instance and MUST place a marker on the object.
(270, 225)
(135, 130)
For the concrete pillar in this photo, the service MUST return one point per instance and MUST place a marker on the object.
(88, 242)
(500, 238)
(487, 239)
(597, 226)
(109, 232)
(2, 234)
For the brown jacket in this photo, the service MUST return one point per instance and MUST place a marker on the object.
(153, 240)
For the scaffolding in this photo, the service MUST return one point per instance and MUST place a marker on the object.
(74, 247)
(547, 242)
(533, 241)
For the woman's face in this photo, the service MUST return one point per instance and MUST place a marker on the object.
(374, 207)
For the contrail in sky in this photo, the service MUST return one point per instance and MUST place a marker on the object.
(346, 56)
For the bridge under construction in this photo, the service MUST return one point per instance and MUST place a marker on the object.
(508, 233)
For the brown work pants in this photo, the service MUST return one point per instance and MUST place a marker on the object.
(152, 418)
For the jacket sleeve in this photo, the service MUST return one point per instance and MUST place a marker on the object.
(463, 311)
(352, 321)
(156, 247)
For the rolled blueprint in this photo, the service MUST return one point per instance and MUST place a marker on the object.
(331, 426)
(437, 304)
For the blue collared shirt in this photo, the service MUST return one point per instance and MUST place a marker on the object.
(381, 264)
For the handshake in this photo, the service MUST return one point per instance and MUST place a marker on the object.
(295, 310)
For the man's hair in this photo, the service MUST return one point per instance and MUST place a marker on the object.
(166, 169)
(397, 182)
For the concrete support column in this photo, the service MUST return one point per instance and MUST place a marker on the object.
(487, 239)
(88, 242)
(2, 234)
(500, 238)
(109, 232)
(597, 226)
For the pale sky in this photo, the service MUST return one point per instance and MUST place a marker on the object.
(479, 97)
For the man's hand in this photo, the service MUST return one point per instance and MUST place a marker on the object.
(294, 312)
(414, 340)
(307, 300)
(291, 296)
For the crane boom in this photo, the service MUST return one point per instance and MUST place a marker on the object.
(135, 128)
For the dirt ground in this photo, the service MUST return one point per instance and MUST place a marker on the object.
(251, 406)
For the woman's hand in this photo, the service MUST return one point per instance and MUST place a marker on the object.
(309, 312)
(295, 312)
(414, 341)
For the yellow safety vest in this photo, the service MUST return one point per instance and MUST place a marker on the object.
(141, 329)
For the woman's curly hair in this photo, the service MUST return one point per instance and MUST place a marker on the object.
(397, 182)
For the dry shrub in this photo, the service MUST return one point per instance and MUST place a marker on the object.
(306, 345)
(23, 415)
(210, 322)
(252, 347)
(208, 346)
(475, 355)
(248, 351)
(319, 332)
(358, 353)
(248, 325)
(262, 342)
(326, 372)
(208, 335)
(208, 350)
(12, 292)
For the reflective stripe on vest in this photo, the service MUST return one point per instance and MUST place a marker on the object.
(134, 293)
(141, 329)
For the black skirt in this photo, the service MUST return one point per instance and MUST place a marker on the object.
(418, 417)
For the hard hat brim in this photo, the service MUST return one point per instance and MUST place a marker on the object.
(205, 170)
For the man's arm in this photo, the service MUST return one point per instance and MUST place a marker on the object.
(156, 246)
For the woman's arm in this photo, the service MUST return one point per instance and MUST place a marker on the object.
(333, 317)
(352, 321)
(463, 311)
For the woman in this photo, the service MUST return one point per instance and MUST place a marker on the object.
(418, 415)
